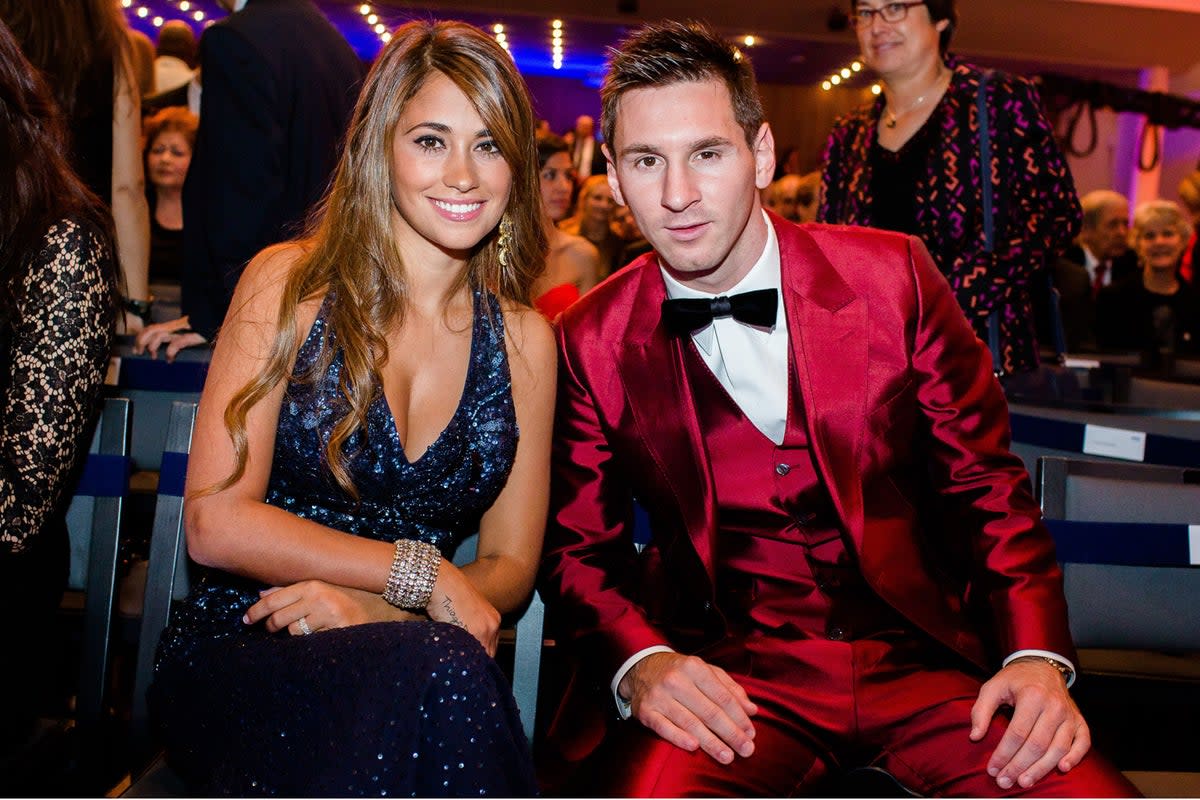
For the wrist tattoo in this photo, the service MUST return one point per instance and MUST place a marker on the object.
(448, 607)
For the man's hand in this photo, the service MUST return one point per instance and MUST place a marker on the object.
(692, 704)
(1046, 730)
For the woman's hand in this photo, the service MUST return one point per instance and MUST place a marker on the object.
(456, 600)
(175, 335)
(322, 606)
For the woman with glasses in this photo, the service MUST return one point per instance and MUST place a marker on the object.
(911, 162)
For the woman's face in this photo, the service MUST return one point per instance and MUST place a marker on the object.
(450, 184)
(598, 202)
(896, 48)
(168, 159)
(1159, 246)
(557, 179)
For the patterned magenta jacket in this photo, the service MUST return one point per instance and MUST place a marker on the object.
(1035, 208)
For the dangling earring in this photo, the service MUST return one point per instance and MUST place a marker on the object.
(505, 241)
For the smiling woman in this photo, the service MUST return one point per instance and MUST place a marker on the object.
(914, 162)
(380, 391)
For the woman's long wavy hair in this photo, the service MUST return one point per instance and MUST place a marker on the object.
(350, 251)
(37, 185)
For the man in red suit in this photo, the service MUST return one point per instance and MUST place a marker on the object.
(846, 565)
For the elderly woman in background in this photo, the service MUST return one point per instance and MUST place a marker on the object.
(84, 52)
(593, 221)
(58, 302)
(170, 136)
(911, 162)
(573, 263)
(1153, 311)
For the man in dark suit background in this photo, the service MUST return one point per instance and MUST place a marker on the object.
(1101, 256)
(586, 154)
(279, 85)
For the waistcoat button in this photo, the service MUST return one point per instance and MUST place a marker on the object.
(782, 469)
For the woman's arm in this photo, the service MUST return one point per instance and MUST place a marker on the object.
(510, 533)
(234, 529)
(131, 213)
(60, 344)
(583, 260)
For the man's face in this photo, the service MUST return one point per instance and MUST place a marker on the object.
(1110, 237)
(683, 167)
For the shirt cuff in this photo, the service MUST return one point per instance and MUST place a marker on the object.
(1044, 654)
(623, 707)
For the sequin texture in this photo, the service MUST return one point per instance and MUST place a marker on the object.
(383, 709)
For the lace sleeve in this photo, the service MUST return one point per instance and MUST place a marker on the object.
(61, 338)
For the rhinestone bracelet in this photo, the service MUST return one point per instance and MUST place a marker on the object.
(413, 574)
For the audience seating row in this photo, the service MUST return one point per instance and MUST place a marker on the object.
(1133, 608)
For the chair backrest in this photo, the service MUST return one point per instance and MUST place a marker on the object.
(529, 632)
(1170, 437)
(167, 572)
(1120, 518)
(155, 386)
(1163, 394)
(94, 525)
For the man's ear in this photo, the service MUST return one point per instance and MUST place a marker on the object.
(614, 183)
(764, 157)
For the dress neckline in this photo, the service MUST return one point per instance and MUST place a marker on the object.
(464, 395)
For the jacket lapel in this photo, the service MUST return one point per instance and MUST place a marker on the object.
(827, 328)
(659, 396)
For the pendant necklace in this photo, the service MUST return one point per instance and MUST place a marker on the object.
(891, 117)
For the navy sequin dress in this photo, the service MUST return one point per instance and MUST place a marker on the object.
(391, 708)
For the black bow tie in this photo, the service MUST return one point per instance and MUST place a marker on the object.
(687, 314)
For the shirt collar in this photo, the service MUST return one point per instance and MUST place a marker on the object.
(763, 275)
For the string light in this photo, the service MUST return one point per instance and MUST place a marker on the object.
(157, 14)
(844, 75)
(557, 49)
(501, 36)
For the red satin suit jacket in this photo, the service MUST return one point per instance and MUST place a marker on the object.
(908, 429)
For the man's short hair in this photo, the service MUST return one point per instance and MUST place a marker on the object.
(663, 53)
(1095, 202)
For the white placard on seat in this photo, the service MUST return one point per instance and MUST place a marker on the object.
(1114, 442)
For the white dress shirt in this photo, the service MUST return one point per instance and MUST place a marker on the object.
(750, 362)
(1090, 262)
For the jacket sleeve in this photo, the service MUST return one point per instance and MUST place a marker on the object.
(590, 562)
(841, 166)
(235, 187)
(1035, 207)
(989, 512)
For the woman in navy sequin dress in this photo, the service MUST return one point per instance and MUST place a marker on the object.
(368, 386)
